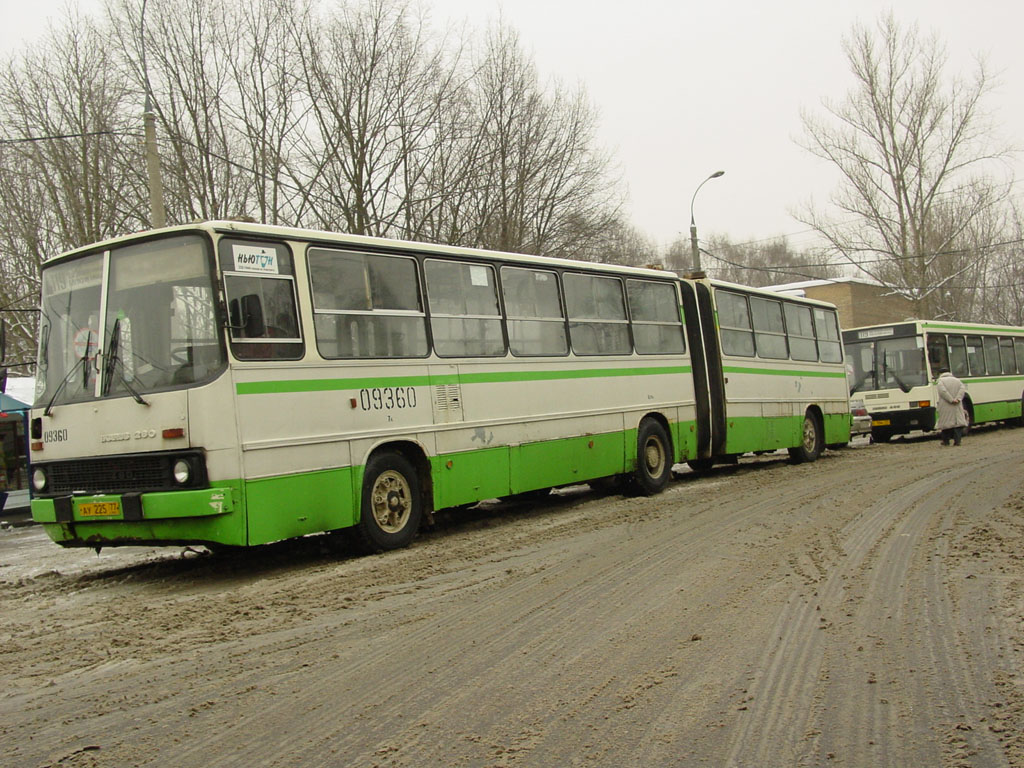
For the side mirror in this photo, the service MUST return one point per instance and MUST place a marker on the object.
(252, 313)
(246, 315)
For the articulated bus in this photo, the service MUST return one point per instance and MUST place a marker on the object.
(893, 369)
(237, 384)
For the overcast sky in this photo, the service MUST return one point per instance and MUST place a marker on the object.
(686, 88)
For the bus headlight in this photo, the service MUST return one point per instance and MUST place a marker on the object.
(39, 479)
(182, 472)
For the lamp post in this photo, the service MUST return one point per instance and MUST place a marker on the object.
(693, 225)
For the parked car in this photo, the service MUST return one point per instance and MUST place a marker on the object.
(860, 422)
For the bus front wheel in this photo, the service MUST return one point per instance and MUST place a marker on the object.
(812, 440)
(392, 504)
(653, 458)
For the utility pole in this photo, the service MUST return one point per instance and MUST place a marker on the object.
(157, 214)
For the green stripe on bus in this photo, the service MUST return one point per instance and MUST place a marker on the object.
(991, 379)
(330, 385)
(784, 372)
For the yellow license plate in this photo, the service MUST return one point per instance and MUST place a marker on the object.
(880, 423)
(100, 509)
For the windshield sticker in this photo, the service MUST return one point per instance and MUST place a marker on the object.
(85, 342)
(254, 258)
(478, 275)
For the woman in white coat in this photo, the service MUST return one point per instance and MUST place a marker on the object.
(950, 415)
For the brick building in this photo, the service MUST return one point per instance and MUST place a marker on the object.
(859, 302)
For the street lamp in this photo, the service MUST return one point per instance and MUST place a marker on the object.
(693, 225)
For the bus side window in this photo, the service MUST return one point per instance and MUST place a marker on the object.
(734, 323)
(464, 316)
(769, 331)
(1018, 348)
(937, 355)
(992, 362)
(1006, 354)
(259, 286)
(975, 356)
(957, 357)
(654, 310)
(263, 308)
(536, 322)
(800, 333)
(826, 325)
(366, 305)
(597, 315)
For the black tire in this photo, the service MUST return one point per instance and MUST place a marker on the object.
(701, 465)
(392, 505)
(880, 435)
(653, 458)
(812, 440)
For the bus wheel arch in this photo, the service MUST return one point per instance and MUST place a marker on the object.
(654, 455)
(394, 497)
(812, 437)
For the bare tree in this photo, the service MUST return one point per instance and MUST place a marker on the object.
(177, 51)
(763, 262)
(268, 111)
(365, 121)
(1001, 298)
(545, 185)
(915, 158)
(68, 150)
(621, 243)
(377, 85)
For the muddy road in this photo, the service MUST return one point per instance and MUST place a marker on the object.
(864, 610)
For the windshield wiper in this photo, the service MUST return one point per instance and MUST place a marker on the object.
(70, 373)
(112, 363)
(108, 366)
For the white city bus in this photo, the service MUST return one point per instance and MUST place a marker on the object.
(893, 369)
(238, 384)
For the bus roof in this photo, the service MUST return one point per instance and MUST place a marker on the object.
(337, 238)
(948, 326)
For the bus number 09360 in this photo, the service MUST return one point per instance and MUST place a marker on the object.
(387, 398)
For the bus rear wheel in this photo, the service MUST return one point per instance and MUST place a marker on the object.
(653, 458)
(812, 440)
(392, 505)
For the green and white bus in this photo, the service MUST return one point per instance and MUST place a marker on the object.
(893, 369)
(237, 384)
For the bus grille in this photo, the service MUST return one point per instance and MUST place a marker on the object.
(121, 474)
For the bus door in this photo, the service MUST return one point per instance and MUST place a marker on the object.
(706, 359)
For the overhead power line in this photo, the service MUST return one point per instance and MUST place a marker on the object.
(57, 136)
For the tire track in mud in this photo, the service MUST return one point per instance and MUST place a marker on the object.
(557, 621)
(716, 624)
(854, 673)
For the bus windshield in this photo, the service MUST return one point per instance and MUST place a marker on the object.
(159, 329)
(886, 364)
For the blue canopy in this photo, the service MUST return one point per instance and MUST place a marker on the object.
(8, 403)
